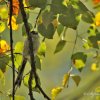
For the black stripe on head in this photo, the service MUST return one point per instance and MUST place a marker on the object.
(34, 33)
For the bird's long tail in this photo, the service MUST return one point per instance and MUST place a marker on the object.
(20, 73)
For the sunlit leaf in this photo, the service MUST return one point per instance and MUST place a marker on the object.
(76, 79)
(17, 97)
(79, 60)
(60, 46)
(4, 47)
(26, 79)
(42, 49)
(94, 67)
(18, 53)
(19, 47)
(65, 2)
(2, 26)
(3, 13)
(86, 46)
(60, 29)
(55, 92)
(97, 19)
(65, 79)
(13, 22)
(92, 30)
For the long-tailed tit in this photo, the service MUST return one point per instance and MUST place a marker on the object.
(26, 55)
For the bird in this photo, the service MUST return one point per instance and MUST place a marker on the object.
(26, 56)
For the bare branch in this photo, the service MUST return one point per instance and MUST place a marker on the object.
(11, 45)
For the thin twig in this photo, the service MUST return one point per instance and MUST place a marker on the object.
(37, 18)
(11, 45)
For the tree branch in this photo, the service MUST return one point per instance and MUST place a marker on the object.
(11, 45)
(33, 68)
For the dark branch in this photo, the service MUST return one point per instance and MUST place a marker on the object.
(33, 68)
(11, 45)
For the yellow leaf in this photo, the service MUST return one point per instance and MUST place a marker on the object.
(39, 21)
(13, 22)
(55, 92)
(65, 79)
(65, 2)
(3, 13)
(79, 63)
(97, 19)
(25, 81)
(2, 26)
(42, 49)
(94, 67)
(4, 46)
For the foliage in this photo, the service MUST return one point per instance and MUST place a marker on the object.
(54, 16)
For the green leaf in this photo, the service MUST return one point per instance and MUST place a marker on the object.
(4, 60)
(42, 49)
(17, 97)
(19, 47)
(38, 62)
(76, 79)
(87, 17)
(60, 46)
(47, 17)
(18, 56)
(48, 31)
(60, 29)
(57, 7)
(79, 60)
(69, 19)
(24, 30)
(93, 41)
(38, 3)
(2, 77)
(19, 18)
